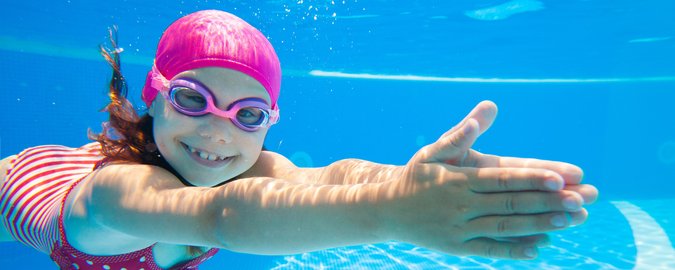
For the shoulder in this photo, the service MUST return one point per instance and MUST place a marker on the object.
(123, 178)
(116, 179)
(275, 165)
(113, 183)
(269, 157)
(269, 164)
(103, 193)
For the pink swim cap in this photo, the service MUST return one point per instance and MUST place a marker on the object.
(213, 38)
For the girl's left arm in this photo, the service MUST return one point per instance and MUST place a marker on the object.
(356, 171)
(341, 172)
(453, 148)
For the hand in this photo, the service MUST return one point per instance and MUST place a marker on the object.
(454, 148)
(466, 211)
(456, 200)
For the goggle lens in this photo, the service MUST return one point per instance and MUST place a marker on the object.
(189, 99)
(252, 116)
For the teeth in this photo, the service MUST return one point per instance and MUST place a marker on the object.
(206, 155)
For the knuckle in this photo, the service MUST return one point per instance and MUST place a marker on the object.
(455, 140)
(510, 253)
(425, 152)
(428, 149)
(503, 225)
(510, 204)
(491, 251)
(503, 180)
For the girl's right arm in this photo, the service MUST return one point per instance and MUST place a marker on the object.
(431, 205)
(254, 215)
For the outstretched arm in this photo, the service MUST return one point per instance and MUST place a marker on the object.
(549, 186)
(453, 148)
(456, 211)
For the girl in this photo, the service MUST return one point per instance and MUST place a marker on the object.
(159, 191)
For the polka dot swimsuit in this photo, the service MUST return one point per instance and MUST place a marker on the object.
(67, 257)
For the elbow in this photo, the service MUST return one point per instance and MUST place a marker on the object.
(231, 234)
(223, 229)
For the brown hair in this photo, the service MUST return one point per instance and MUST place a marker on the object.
(126, 137)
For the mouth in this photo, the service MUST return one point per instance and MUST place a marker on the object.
(208, 159)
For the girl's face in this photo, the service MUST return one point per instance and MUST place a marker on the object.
(208, 150)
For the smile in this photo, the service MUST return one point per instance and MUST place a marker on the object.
(206, 158)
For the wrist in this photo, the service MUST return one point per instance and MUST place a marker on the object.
(385, 207)
(397, 213)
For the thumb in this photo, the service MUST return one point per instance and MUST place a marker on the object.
(485, 113)
(454, 145)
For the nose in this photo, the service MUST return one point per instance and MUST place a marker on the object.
(217, 130)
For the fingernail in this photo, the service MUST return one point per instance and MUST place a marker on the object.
(530, 252)
(570, 204)
(553, 184)
(559, 220)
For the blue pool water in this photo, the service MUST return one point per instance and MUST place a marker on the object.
(582, 81)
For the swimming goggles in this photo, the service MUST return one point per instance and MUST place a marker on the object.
(191, 98)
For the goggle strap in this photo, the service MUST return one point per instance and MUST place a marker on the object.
(158, 81)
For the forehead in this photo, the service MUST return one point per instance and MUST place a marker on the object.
(227, 85)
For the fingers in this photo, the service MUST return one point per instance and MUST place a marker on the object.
(538, 240)
(588, 192)
(512, 179)
(519, 225)
(516, 237)
(452, 148)
(485, 113)
(491, 248)
(454, 145)
(570, 173)
(579, 217)
(527, 203)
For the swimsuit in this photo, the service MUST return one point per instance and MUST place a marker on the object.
(32, 199)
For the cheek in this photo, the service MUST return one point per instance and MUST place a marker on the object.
(260, 139)
(253, 145)
(160, 133)
(166, 126)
